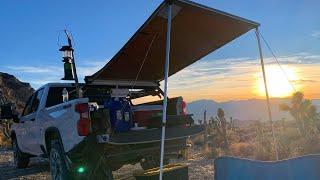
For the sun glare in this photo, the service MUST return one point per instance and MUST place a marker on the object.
(277, 81)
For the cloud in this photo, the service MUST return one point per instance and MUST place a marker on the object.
(304, 81)
(232, 72)
(316, 34)
(40, 75)
(88, 68)
(33, 69)
(218, 73)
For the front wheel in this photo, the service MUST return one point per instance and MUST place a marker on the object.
(20, 159)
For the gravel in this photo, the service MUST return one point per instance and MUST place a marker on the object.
(200, 167)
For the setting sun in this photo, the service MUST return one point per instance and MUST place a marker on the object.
(278, 84)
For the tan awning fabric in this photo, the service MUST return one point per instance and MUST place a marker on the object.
(196, 31)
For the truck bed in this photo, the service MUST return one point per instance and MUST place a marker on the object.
(154, 135)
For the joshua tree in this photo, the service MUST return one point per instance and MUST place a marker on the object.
(303, 112)
(220, 125)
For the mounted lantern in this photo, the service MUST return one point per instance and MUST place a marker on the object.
(67, 54)
(70, 71)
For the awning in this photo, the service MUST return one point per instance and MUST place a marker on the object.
(196, 31)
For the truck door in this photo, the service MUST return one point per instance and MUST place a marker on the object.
(30, 125)
(21, 131)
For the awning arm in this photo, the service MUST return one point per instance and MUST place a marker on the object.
(267, 93)
(165, 98)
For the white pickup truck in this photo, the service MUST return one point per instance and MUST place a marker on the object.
(79, 139)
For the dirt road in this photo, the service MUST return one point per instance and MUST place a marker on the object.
(200, 168)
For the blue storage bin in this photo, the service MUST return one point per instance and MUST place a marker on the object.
(120, 114)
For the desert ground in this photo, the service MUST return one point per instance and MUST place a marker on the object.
(199, 168)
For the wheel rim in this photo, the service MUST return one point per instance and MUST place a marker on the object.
(55, 165)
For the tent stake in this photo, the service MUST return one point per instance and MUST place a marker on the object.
(267, 93)
(165, 98)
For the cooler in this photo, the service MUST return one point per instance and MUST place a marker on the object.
(144, 113)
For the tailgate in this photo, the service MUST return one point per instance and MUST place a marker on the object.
(154, 135)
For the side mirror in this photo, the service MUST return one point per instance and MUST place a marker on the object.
(15, 118)
(6, 112)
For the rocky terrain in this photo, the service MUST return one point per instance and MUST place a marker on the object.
(14, 91)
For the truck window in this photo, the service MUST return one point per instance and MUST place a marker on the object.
(27, 108)
(33, 103)
(37, 100)
(55, 95)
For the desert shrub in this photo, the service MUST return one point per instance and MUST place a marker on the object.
(263, 143)
(286, 142)
(4, 141)
(233, 136)
(242, 149)
(198, 140)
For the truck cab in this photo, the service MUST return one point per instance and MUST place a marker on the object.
(42, 111)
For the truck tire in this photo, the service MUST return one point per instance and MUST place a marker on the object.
(58, 165)
(21, 160)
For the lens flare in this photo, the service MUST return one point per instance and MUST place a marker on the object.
(81, 169)
(277, 81)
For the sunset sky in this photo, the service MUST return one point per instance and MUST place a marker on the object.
(30, 29)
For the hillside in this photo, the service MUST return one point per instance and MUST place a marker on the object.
(14, 91)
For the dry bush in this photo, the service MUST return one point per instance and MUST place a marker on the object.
(288, 143)
(209, 152)
(242, 149)
(4, 141)
(233, 136)
(263, 152)
(198, 140)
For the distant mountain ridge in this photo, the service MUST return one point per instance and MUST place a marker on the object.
(14, 91)
(251, 109)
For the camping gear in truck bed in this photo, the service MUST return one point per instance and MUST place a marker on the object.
(143, 114)
(120, 114)
(172, 120)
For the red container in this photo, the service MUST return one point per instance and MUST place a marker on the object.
(145, 113)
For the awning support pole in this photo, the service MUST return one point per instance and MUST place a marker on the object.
(267, 93)
(165, 98)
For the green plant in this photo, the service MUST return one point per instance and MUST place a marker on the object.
(219, 124)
